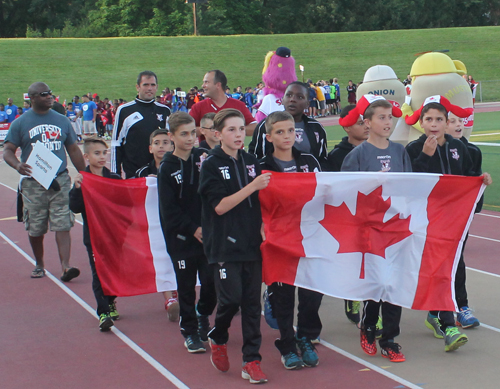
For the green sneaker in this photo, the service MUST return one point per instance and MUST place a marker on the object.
(454, 339)
(113, 312)
(432, 323)
(378, 328)
(105, 322)
(352, 310)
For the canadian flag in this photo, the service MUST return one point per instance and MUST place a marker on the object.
(129, 248)
(395, 237)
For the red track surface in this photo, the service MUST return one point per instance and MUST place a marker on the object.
(50, 341)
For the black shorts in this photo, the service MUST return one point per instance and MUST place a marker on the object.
(313, 104)
(330, 101)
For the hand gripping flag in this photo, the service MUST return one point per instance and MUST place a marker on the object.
(369, 236)
(129, 248)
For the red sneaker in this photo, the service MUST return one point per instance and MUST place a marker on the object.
(392, 351)
(219, 356)
(368, 343)
(251, 371)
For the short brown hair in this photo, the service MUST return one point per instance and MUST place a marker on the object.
(275, 117)
(207, 116)
(227, 113)
(376, 104)
(159, 131)
(92, 140)
(440, 107)
(178, 119)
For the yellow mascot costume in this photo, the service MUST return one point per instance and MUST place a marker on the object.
(434, 74)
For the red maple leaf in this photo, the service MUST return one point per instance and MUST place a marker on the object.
(365, 231)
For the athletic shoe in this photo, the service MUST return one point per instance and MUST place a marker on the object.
(219, 357)
(292, 361)
(113, 312)
(194, 344)
(367, 340)
(316, 340)
(466, 319)
(105, 322)
(352, 310)
(392, 352)
(454, 339)
(378, 328)
(251, 371)
(172, 307)
(203, 326)
(307, 352)
(268, 312)
(432, 323)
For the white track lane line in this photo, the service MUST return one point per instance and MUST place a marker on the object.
(124, 338)
(485, 214)
(483, 237)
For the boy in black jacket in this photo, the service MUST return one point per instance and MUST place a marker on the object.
(438, 152)
(180, 215)
(232, 226)
(283, 157)
(356, 134)
(159, 145)
(310, 136)
(465, 317)
(95, 151)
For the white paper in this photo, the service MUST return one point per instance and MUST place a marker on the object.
(44, 164)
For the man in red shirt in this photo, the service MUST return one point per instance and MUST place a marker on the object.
(214, 85)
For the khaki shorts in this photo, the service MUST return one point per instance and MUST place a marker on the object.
(47, 206)
(89, 127)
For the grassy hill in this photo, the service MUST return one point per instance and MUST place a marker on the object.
(109, 66)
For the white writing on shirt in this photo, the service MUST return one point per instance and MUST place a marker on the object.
(49, 134)
(385, 161)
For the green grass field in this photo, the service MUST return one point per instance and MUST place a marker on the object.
(109, 66)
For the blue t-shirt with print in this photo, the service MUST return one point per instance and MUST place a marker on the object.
(11, 111)
(88, 110)
(52, 129)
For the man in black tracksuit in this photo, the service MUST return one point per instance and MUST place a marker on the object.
(180, 216)
(231, 222)
(134, 123)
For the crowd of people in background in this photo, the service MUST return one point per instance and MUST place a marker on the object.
(91, 115)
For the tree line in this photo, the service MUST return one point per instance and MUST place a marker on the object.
(118, 18)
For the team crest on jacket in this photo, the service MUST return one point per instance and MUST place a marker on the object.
(454, 154)
(199, 165)
(159, 117)
(305, 168)
(251, 170)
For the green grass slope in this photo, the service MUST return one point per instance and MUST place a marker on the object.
(110, 66)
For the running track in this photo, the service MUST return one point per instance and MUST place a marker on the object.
(50, 337)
